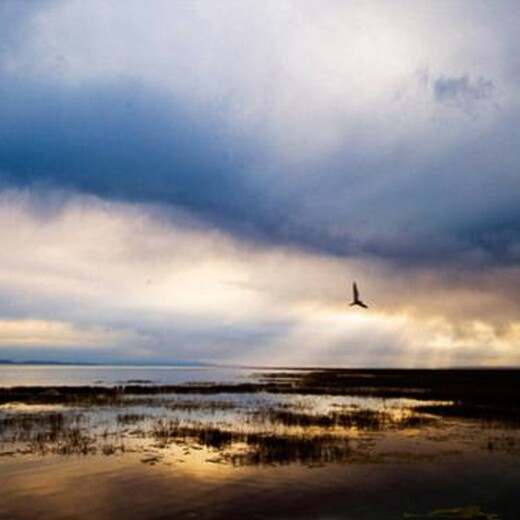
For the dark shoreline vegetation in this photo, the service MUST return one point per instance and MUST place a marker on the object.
(472, 393)
(85, 420)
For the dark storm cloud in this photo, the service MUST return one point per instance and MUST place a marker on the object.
(131, 144)
(463, 91)
(118, 143)
(93, 123)
(460, 202)
(128, 144)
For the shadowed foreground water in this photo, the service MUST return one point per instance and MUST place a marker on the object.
(306, 444)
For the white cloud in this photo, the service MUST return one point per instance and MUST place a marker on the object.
(56, 335)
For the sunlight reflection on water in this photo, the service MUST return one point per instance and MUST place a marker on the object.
(182, 455)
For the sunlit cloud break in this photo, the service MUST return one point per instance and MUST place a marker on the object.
(149, 285)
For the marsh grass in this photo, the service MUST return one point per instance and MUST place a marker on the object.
(357, 418)
(193, 405)
(73, 396)
(261, 448)
(268, 449)
(166, 432)
(256, 432)
(42, 433)
(130, 418)
(24, 423)
(487, 415)
(492, 395)
(71, 441)
(458, 513)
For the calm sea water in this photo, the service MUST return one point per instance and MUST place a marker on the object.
(76, 375)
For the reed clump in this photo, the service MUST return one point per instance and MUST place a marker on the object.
(261, 447)
(360, 419)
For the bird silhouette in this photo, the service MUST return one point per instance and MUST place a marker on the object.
(357, 301)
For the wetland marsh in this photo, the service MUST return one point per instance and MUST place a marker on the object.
(354, 444)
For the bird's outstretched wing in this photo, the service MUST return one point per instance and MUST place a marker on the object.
(355, 291)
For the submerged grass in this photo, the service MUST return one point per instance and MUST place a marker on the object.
(458, 513)
(279, 434)
(47, 432)
(493, 394)
(27, 422)
(261, 448)
(266, 449)
(193, 405)
(361, 419)
(130, 418)
(488, 415)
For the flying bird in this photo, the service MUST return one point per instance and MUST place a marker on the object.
(357, 301)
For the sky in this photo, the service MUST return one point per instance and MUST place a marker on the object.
(203, 181)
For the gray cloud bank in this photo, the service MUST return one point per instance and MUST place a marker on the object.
(462, 91)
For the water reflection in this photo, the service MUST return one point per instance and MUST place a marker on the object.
(237, 429)
(227, 432)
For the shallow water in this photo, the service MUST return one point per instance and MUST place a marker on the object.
(78, 375)
(123, 487)
(249, 455)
